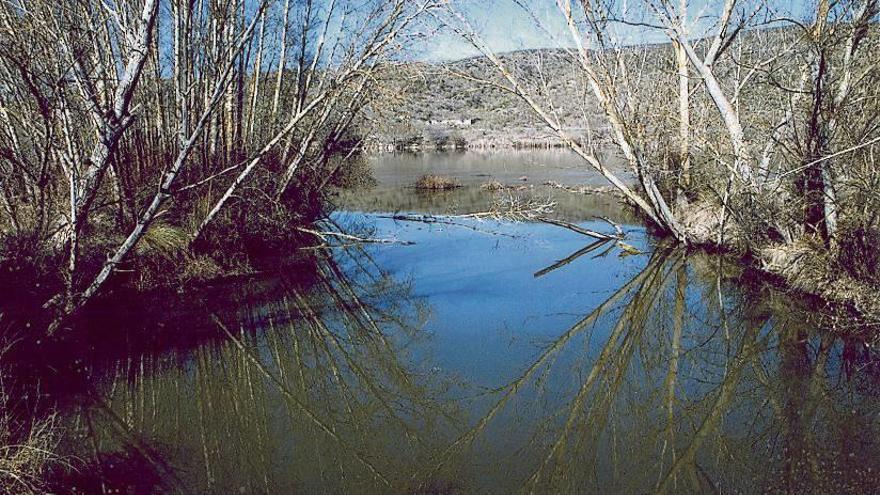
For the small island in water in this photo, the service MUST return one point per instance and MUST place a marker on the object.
(384, 246)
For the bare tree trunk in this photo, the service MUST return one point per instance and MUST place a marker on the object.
(818, 183)
(252, 163)
(117, 118)
(112, 121)
(327, 96)
(661, 212)
(661, 217)
(742, 156)
(812, 183)
(301, 68)
(157, 88)
(167, 181)
(684, 113)
(677, 34)
(65, 174)
(281, 59)
(258, 72)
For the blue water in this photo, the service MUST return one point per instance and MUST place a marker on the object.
(489, 312)
(455, 362)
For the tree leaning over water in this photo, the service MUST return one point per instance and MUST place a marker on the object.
(749, 129)
(128, 126)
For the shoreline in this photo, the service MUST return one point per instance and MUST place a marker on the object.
(799, 265)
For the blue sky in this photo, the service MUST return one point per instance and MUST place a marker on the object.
(505, 26)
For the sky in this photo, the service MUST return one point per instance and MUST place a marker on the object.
(505, 26)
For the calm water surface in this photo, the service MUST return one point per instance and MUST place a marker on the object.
(472, 361)
(523, 172)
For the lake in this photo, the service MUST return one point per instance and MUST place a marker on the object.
(481, 356)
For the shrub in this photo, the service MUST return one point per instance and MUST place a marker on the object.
(436, 183)
(26, 451)
(493, 185)
(199, 268)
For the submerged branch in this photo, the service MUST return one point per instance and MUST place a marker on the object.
(581, 252)
(581, 230)
(441, 220)
(368, 240)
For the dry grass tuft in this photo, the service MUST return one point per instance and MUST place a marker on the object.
(798, 263)
(431, 182)
(493, 185)
(26, 452)
(163, 241)
(200, 269)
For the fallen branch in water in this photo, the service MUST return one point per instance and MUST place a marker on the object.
(515, 208)
(581, 252)
(324, 235)
(601, 239)
(616, 226)
(581, 230)
(442, 220)
(506, 208)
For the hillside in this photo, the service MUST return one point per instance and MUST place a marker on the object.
(451, 104)
(444, 104)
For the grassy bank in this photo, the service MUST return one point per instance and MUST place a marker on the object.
(27, 448)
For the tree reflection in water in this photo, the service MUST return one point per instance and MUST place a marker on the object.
(678, 382)
(312, 392)
(675, 384)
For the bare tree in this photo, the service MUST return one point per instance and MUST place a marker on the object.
(775, 88)
(134, 132)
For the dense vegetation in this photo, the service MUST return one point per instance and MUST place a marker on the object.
(138, 134)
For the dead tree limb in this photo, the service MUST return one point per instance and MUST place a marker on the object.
(581, 230)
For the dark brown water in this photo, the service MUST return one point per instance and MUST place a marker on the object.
(469, 362)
